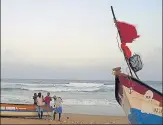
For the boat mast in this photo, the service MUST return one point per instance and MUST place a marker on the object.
(115, 20)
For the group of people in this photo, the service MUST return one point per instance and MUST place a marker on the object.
(40, 101)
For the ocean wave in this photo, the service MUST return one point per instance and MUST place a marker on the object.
(71, 84)
(65, 85)
(100, 102)
(84, 85)
(71, 87)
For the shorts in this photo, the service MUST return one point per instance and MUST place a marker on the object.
(39, 109)
(48, 105)
(58, 109)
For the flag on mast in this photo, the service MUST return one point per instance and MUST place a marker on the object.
(128, 34)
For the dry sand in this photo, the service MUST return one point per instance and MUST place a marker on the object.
(69, 119)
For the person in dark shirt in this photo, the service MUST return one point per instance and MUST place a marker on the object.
(35, 98)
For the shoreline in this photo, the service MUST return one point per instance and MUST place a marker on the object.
(68, 118)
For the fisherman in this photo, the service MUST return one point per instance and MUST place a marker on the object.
(53, 108)
(40, 104)
(35, 98)
(57, 107)
(47, 99)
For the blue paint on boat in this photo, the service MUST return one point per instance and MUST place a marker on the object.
(137, 117)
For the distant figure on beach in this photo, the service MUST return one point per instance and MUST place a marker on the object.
(35, 98)
(40, 104)
(47, 99)
(57, 107)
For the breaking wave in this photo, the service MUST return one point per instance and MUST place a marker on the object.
(66, 87)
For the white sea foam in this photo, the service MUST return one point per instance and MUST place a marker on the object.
(71, 87)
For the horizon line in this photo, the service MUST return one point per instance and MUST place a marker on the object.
(68, 79)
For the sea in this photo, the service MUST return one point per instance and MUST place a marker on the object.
(79, 96)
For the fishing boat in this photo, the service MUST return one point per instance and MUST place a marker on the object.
(21, 110)
(141, 103)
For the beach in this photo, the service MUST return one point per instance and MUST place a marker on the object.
(79, 96)
(69, 119)
(87, 102)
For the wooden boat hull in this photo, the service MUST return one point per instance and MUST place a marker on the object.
(141, 103)
(21, 110)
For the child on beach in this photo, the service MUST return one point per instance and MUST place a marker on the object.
(35, 98)
(40, 103)
(57, 107)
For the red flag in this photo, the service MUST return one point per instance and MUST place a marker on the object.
(127, 31)
(126, 50)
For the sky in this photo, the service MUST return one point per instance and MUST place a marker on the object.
(76, 39)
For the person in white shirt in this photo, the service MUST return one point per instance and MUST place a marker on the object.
(40, 104)
(57, 107)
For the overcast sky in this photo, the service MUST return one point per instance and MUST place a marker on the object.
(76, 39)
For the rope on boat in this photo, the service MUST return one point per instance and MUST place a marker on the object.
(129, 78)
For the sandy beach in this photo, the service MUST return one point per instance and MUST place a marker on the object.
(69, 119)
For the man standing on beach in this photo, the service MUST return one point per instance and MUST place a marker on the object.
(58, 107)
(40, 103)
(48, 99)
